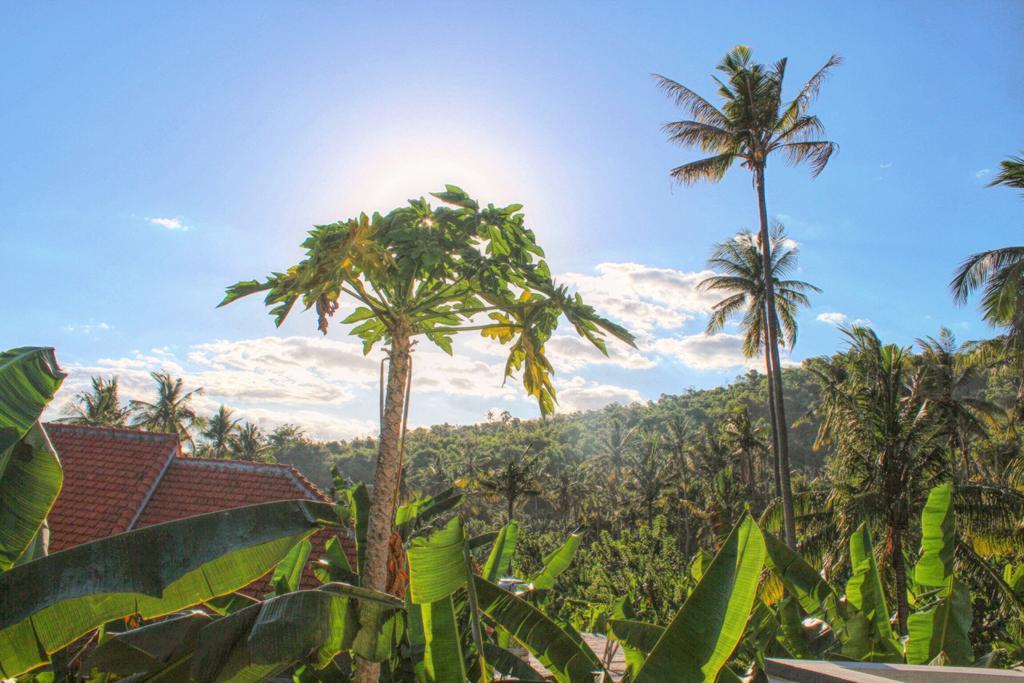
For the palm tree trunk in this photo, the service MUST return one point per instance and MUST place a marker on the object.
(771, 412)
(773, 348)
(899, 570)
(511, 509)
(386, 481)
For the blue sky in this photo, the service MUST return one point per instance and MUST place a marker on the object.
(152, 154)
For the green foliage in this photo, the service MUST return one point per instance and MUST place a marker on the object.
(702, 636)
(150, 572)
(435, 272)
(30, 474)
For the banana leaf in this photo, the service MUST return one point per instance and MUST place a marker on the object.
(508, 664)
(278, 633)
(30, 476)
(28, 489)
(941, 631)
(938, 539)
(413, 516)
(637, 639)
(499, 562)
(556, 562)
(814, 594)
(560, 653)
(438, 567)
(334, 565)
(150, 572)
(704, 633)
(148, 648)
(288, 573)
(868, 635)
(359, 507)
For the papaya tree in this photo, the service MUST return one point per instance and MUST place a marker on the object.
(422, 271)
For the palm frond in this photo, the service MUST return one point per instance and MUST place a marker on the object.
(711, 169)
(815, 152)
(696, 134)
(699, 108)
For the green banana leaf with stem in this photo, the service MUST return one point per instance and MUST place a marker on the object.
(709, 626)
(149, 572)
(30, 473)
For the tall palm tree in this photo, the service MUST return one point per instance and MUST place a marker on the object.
(249, 444)
(740, 277)
(172, 412)
(886, 451)
(753, 123)
(219, 432)
(999, 275)
(948, 384)
(99, 407)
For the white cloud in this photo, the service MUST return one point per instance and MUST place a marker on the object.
(569, 352)
(885, 165)
(832, 318)
(88, 328)
(981, 173)
(862, 322)
(642, 297)
(701, 351)
(169, 223)
(705, 352)
(577, 394)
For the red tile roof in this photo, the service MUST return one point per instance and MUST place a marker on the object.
(108, 474)
(195, 486)
(119, 479)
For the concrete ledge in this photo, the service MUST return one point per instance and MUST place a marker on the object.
(811, 671)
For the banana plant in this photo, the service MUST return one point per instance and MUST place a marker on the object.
(859, 623)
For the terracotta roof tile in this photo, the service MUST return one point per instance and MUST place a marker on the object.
(108, 474)
(116, 479)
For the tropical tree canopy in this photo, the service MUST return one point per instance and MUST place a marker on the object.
(433, 272)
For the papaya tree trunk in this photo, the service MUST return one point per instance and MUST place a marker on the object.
(772, 331)
(386, 480)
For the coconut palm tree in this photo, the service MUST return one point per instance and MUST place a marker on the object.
(514, 481)
(740, 277)
(948, 383)
(99, 407)
(887, 454)
(219, 432)
(753, 124)
(650, 474)
(748, 442)
(999, 275)
(249, 443)
(172, 412)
